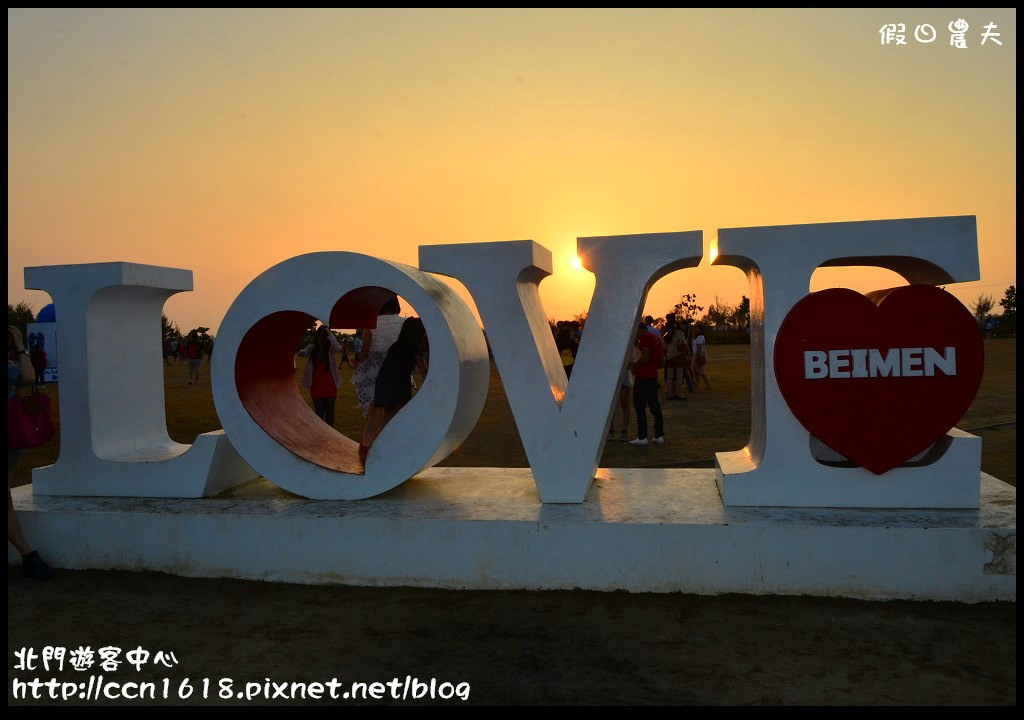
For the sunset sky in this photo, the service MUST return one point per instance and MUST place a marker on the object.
(226, 141)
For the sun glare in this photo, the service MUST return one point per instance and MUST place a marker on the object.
(575, 262)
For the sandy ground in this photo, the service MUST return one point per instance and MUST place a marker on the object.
(513, 647)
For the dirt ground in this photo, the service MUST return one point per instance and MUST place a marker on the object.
(506, 648)
(523, 648)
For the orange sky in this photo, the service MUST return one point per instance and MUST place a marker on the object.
(226, 141)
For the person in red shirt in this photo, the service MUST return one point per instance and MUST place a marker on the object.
(194, 353)
(321, 376)
(650, 351)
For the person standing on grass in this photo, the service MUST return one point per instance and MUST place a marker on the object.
(38, 356)
(20, 370)
(321, 376)
(567, 346)
(194, 354)
(345, 359)
(625, 390)
(375, 345)
(677, 359)
(700, 357)
(393, 387)
(357, 348)
(650, 352)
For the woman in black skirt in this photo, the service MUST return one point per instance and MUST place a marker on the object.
(393, 388)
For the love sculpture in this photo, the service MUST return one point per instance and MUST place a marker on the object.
(880, 440)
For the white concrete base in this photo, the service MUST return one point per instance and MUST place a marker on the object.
(485, 528)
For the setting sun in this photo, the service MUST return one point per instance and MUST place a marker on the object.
(144, 136)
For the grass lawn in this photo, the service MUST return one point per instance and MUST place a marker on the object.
(706, 423)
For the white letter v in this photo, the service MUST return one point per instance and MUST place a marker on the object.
(562, 424)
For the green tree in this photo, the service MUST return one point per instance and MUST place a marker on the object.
(718, 314)
(687, 309)
(1009, 301)
(20, 316)
(982, 307)
(205, 339)
(742, 314)
(1008, 322)
(168, 328)
(203, 333)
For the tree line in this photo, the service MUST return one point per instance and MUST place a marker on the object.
(719, 317)
(1005, 323)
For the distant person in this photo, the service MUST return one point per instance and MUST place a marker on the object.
(20, 370)
(375, 345)
(567, 346)
(393, 388)
(688, 376)
(321, 376)
(651, 327)
(677, 359)
(38, 357)
(345, 359)
(650, 353)
(700, 357)
(194, 354)
(624, 399)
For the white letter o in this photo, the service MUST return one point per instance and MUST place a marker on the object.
(269, 422)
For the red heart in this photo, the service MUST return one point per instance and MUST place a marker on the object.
(879, 421)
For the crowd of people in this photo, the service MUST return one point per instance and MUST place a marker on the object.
(385, 359)
(676, 350)
(189, 349)
(567, 341)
